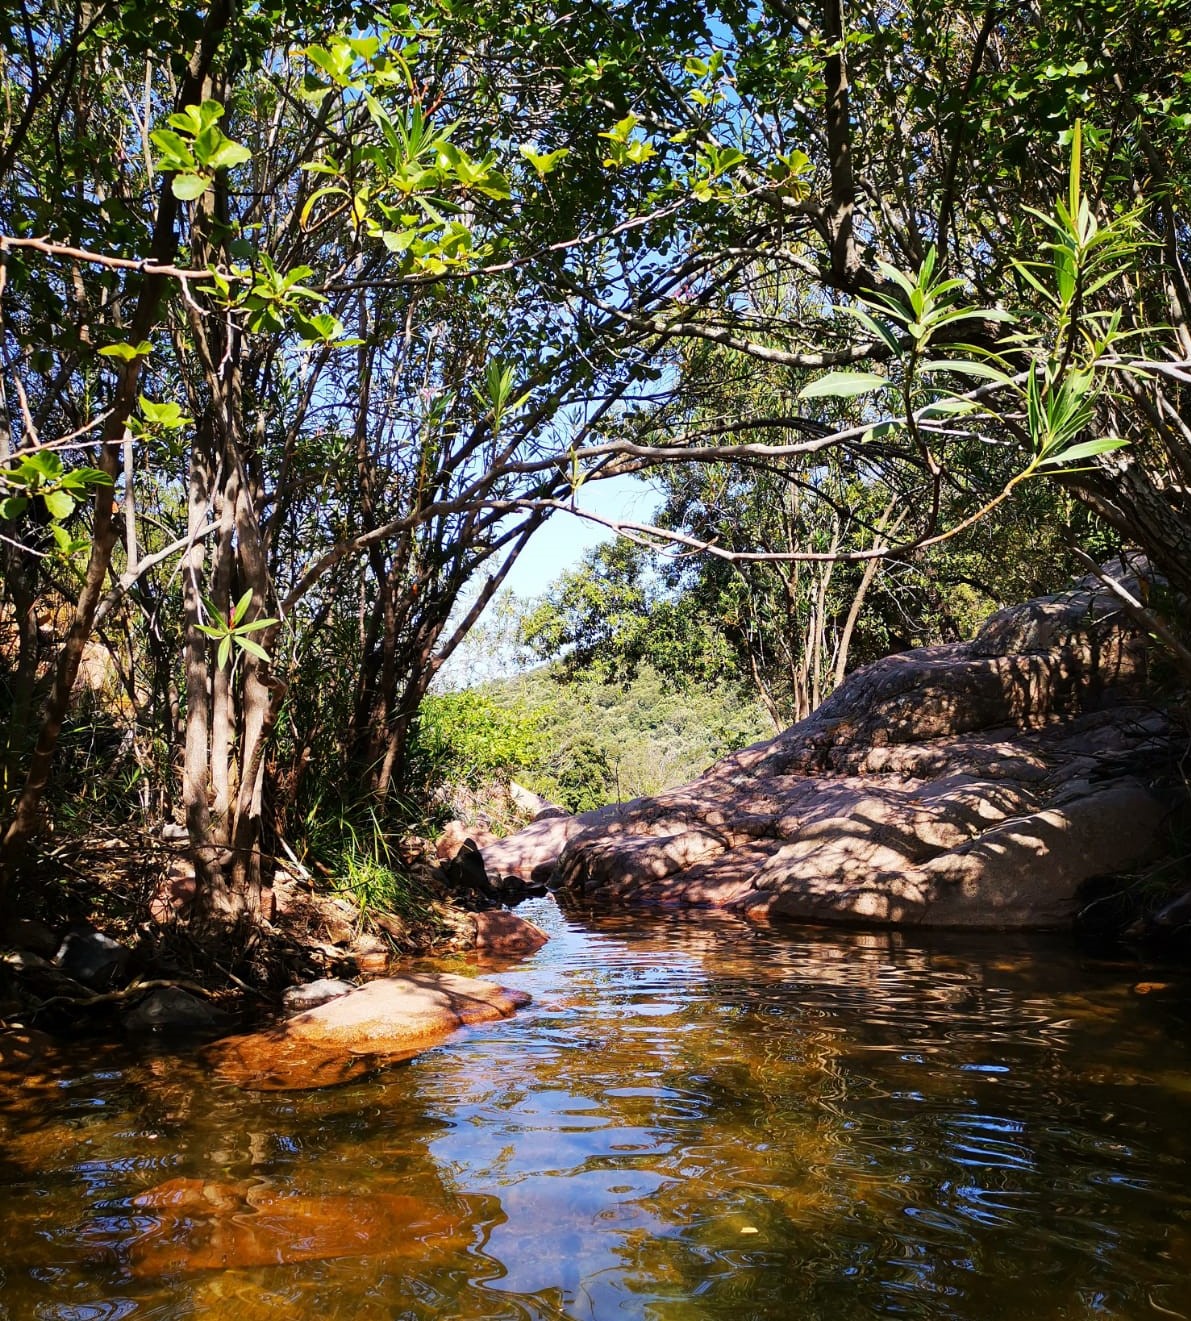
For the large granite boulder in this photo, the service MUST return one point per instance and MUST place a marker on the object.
(977, 784)
(387, 1020)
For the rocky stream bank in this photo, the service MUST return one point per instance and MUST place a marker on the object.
(1007, 782)
(1026, 779)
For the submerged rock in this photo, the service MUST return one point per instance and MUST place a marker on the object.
(22, 1052)
(197, 1225)
(976, 784)
(170, 1009)
(391, 1019)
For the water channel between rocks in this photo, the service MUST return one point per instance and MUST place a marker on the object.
(694, 1119)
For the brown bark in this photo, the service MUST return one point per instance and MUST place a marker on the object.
(198, 688)
(1154, 519)
(846, 268)
(26, 817)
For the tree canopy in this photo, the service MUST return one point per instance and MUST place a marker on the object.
(311, 315)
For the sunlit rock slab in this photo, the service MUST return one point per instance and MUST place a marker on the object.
(385, 1021)
(200, 1225)
(976, 784)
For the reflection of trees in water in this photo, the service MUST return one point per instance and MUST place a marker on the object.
(697, 1119)
(905, 1117)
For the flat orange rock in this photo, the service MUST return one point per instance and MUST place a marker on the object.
(390, 1019)
(198, 1226)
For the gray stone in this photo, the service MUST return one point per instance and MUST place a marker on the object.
(171, 1009)
(92, 958)
(299, 998)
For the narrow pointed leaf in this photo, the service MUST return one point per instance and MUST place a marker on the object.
(253, 648)
(843, 385)
(1085, 450)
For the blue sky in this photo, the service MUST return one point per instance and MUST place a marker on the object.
(490, 651)
(561, 543)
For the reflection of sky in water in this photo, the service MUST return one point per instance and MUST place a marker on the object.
(695, 1119)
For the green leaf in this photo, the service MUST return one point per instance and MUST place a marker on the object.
(312, 91)
(843, 385)
(947, 408)
(880, 329)
(175, 151)
(364, 47)
(886, 428)
(43, 463)
(544, 162)
(13, 506)
(60, 504)
(254, 648)
(225, 650)
(168, 415)
(195, 119)
(1073, 183)
(496, 186)
(65, 543)
(1085, 450)
(228, 155)
(321, 329)
(1034, 408)
(186, 187)
(91, 477)
(398, 240)
(126, 352)
(621, 129)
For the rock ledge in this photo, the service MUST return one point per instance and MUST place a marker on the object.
(976, 784)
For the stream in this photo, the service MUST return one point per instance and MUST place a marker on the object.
(695, 1118)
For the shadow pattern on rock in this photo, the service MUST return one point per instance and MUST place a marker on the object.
(976, 784)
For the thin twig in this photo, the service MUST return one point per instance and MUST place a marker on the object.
(128, 993)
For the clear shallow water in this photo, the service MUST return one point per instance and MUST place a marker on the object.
(695, 1119)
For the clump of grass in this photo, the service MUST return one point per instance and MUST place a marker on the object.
(381, 885)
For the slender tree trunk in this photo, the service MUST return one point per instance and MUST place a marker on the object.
(195, 764)
(26, 817)
(222, 700)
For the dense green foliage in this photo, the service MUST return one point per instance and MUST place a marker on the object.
(577, 740)
(471, 738)
(310, 316)
(785, 629)
(600, 742)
